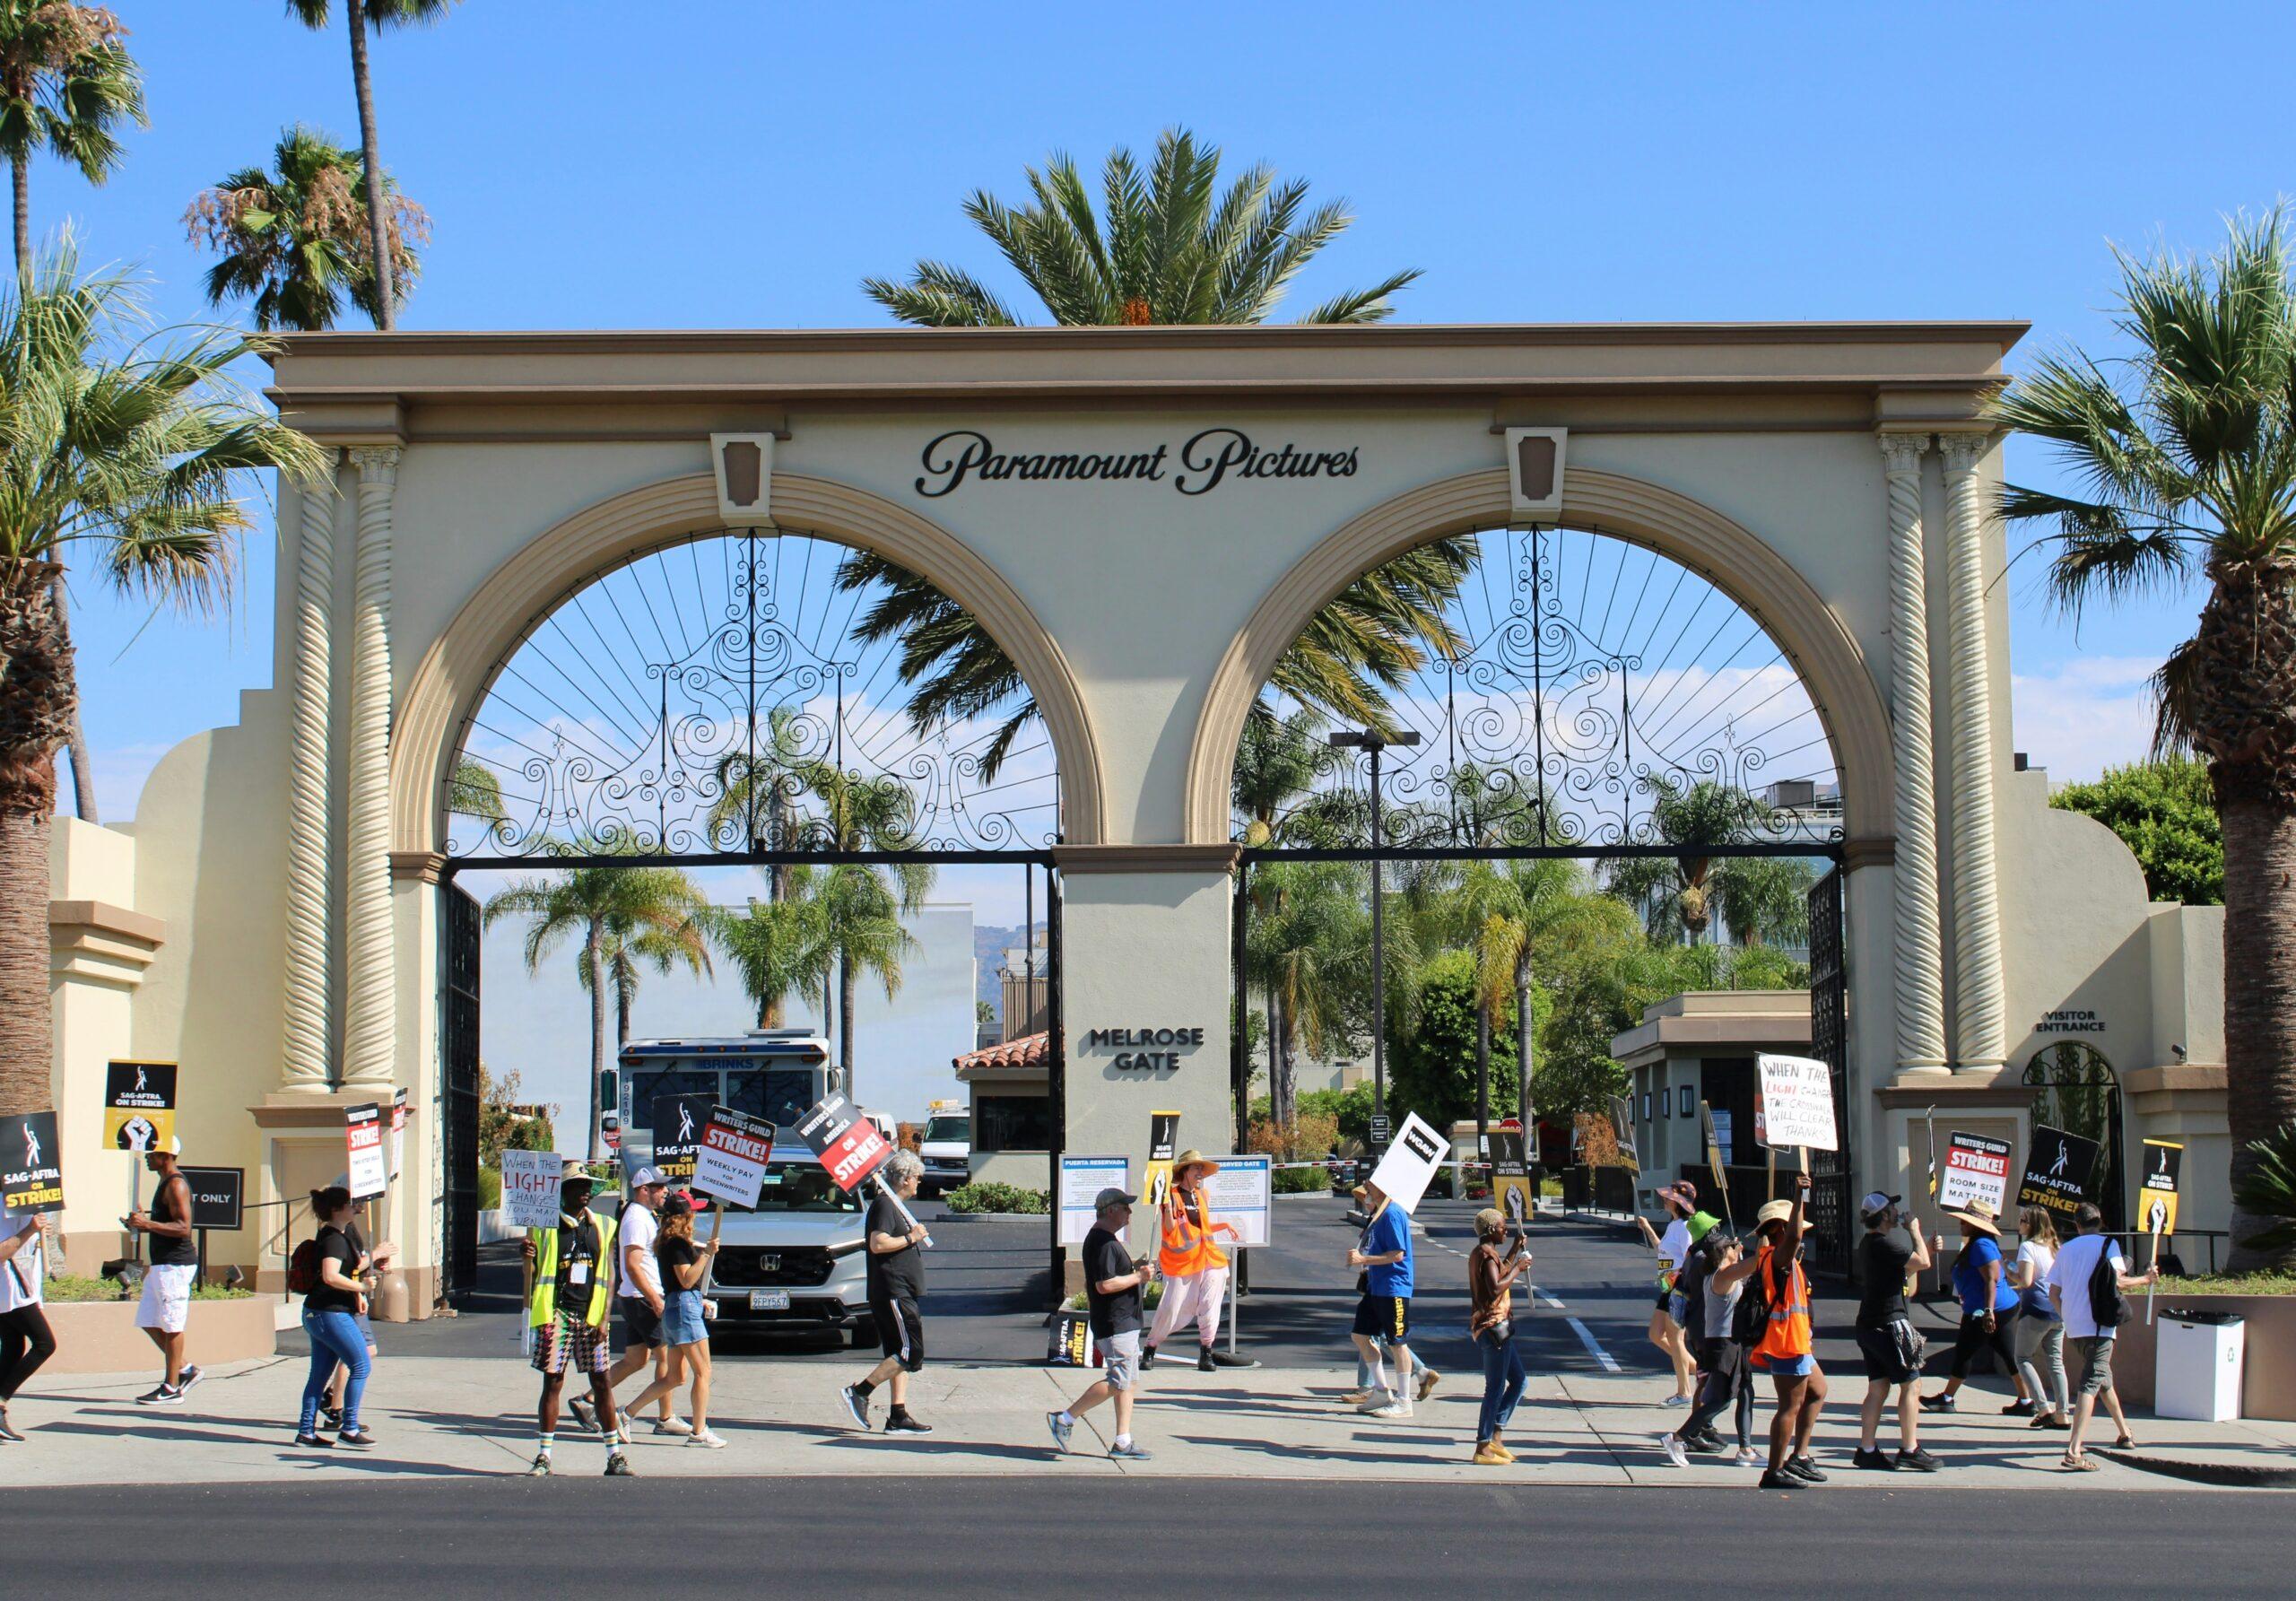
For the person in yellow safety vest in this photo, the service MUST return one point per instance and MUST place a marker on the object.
(1195, 1271)
(568, 1314)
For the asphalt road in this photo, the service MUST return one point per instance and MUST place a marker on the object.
(954, 1540)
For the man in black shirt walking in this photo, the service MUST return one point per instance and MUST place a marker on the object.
(896, 1283)
(1112, 1280)
(1886, 1339)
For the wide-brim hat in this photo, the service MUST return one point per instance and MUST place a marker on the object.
(1979, 1216)
(576, 1172)
(1192, 1158)
(1777, 1212)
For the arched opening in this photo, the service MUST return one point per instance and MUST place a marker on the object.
(2076, 1089)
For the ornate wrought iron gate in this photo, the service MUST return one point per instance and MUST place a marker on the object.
(1829, 1180)
(460, 1127)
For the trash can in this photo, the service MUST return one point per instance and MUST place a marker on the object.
(2196, 1364)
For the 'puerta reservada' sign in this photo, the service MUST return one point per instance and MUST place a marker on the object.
(1207, 460)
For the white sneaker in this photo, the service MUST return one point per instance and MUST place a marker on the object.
(1673, 1446)
(672, 1425)
(1374, 1399)
(1749, 1458)
(1393, 1409)
(705, 1439)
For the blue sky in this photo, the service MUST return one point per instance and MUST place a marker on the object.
(701, 164)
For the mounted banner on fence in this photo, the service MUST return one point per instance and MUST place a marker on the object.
(1241, 1195)
(530, 1188)
(1081, 1179)
(1976, 1169)
(31, 1178)
(734, 1149)
(1410, 1162)
(1511, 1177)
(2156, 1202)
(678, 1122)
(2058, 1170)
(1622, 1131)
(362, 1138)
(398, 1132)
(1797, 1106)
(140, 1105)
(1164, 1140)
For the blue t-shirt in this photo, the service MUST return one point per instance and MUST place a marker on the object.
(1389, 1231)
(1968, 1278)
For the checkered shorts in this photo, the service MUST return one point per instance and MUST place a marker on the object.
(567, 1345)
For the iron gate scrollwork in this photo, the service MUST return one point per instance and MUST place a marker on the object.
(1830, 1170)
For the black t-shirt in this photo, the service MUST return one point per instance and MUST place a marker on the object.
(1105, 1257)
(577, 1245)
(336, 1247)
(1881, 1273)
(674, 1254)
(898, 1276)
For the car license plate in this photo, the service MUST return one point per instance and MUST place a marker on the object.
(768, 1301)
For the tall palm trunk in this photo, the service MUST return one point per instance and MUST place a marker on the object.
(1482, 1074)
(1523, 1030)
(83, 776)
(593, 952)
(27, 1038)
(36, 697)
(22, 175)
(2259, 988)
(371, 146)
(620, 1017)
(848, 982)
(1282, 1093)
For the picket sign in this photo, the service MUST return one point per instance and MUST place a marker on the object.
(1404, 1172)
(1796, 1103)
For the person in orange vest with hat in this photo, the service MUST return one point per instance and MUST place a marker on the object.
(1783, 1344)
(1193, 1269)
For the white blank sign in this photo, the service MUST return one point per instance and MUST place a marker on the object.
(1410, 1162)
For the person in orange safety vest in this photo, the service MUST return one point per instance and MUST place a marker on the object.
(1784, 1346)
(1193, 1269)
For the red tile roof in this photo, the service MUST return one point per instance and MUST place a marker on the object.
(1030, 1050)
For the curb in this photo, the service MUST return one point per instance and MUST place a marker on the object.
(2238, 1475)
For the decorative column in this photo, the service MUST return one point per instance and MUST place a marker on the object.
(369, 1044)
(1980, 1041)
(1920, 953)
(306, 1067)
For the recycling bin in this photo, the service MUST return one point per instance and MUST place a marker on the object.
(2196, 1364)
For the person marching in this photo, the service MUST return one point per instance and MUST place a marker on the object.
(1384, 1254)
(166, 1304)
(637, 1295)
(1112, 1282)
(1681, 1202)
(2041, 1331)
(1726, 1380)
(1887, 1342)
(2091, 1329)
(685, 1268)
(896, 1283)
(1784, 1349)
(25, 1340)
(336, 1298)
(1195, 1271)
(570, 1312)
(1988, 1309)
(1490, 1280)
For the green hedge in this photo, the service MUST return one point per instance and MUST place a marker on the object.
(490, 1188)
(1294, 1182)
(73, 1286)
(998, 1197)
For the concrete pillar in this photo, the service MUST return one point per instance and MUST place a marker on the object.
(306, 1067)
(369, 1045)
(1918, 956)
(1979, 1039)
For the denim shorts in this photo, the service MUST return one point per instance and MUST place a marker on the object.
(1788, 1367)
(681, 1320)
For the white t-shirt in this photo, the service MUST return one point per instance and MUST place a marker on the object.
(2069, 1276)
(22, 1276)
(2042, 1257)
(1673, 1245)
(639, 1227)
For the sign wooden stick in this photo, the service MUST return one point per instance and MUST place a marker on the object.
(2152, 1261)
(1771, 1157)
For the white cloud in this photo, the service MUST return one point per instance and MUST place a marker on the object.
(2080, 715)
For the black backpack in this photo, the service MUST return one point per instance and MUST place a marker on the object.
(1751, 1320)
(2107, 1304)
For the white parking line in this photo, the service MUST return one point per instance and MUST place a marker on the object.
(1594, 1347)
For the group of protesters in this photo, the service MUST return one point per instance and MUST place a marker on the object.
(1730, 1308)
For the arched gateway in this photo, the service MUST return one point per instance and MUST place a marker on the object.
(1141, 519)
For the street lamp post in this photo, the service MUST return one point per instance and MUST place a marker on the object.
(1374, 741)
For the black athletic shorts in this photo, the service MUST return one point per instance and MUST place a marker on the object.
(900, 1331)
(1385, 1317)
(1892, 1351)
(641, 1325)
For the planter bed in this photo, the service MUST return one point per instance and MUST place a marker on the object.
(2269, 1363)
(100, 1337)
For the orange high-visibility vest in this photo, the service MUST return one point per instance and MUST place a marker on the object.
(1787, 1332)
(1186, 1246)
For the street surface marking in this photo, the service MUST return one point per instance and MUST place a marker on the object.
(1594, 1347)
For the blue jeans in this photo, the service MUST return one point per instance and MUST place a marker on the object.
(335, 1338)
(1503, 1382)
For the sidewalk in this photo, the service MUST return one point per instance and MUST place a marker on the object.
(465, 1415)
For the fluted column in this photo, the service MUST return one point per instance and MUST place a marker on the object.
(1919, 952)
(1979, 1039)
(306, 1067)
(370, 1046)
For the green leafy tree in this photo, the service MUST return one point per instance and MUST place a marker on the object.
(475, 790)
(135, 450)
(1527, 919)
(2165, 812)
(294, 240)
(1675, 894)
(862, 932)
(778, 948)
(363, 16)
(2267, 1190)
(1432, 1045)
(500, 1129)
(1307, 947)
(2182, 451)
(630, 951)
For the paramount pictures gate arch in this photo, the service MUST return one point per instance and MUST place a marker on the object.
(1830, 478)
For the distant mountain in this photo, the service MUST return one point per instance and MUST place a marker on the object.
(989, 947)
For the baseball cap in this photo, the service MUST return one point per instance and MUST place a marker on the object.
(1111, 1196)
(643, 1177)
(1876, 1203)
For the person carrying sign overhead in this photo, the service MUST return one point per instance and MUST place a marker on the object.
(1384, 1254)
(1194, 1270)
(569, 1310)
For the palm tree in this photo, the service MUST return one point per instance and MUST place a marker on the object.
(1277, 762)
(135, 450)
(1673, 893)
(763, 787)
(1308, 945)
(1171, 248)
(627, 950)
(2185, 457)
(362, 15)
(294, 240)
(475, 790)
(863, 814)
(778, 948)
(862, 932)
(1762, 899)
(1529, 916)
(601, 905)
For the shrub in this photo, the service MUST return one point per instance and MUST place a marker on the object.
(490, 1188)
(78, 1287)
(998, 1197)
(1294, 1182)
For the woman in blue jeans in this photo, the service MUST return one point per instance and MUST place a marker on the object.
(332, 1308)
(1490, 1279)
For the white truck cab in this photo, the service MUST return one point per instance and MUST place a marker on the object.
(946, 1146)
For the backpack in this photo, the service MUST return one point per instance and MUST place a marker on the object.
(303, 1268)
(1751, 1319)
(2107, 1304)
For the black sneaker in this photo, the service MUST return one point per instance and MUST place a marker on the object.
(187, 1378)
(161, 1397)
(315, 1442)
(332, 1416)
(1918, 1460)
(902, 1423)
(2018, 1409)
(1147, 1357)
(857, 1405)
(1703, 1445)
(1937, 1402)
(1204, 1359)
(585, 1414)
(1874, 1459)
(1806, 1470)
(618, 1467)
(1773, 1480)
(361, 1436)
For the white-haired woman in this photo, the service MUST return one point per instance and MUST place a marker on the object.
(896, 1244)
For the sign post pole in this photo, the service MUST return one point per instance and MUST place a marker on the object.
(1234, 1303)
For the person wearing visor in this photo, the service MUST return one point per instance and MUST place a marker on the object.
(568, 1313)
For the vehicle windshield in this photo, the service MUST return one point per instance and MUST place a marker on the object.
(802, 1185)
(949, 1129)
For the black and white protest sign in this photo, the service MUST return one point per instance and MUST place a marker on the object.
(678, 1122)
(1976, 1169)
(1796, 1103)
(850, 1147)
(730, 1163)
(2059, 1169)
(140, 1105)
(1410, 1162)
(31, 1176)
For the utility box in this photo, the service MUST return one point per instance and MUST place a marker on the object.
(2196, 1365)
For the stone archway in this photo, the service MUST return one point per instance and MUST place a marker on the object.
(1729, 555)
(453, 674)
